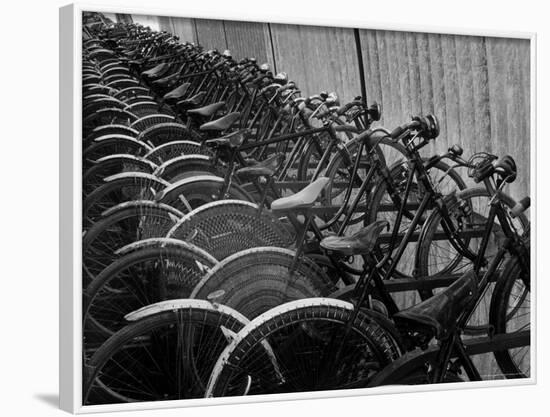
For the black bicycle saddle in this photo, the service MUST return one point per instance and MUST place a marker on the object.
(441, 311)
(361, 242)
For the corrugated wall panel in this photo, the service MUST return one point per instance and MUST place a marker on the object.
(184, 28)
(478, 87)
(318, 58)
(249, 40)
(211, 34)
(509, 102)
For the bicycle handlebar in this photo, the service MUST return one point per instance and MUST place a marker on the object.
(520, 207)
(427, 125)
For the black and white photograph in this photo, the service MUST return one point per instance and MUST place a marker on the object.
(273, 208)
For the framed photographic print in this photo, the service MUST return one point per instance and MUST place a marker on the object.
(262, 210)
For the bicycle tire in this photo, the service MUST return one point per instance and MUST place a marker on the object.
(303, 336)
(161, 133)
(190, 193)
(113, 145)
(223, 228)
(465, 201)
(514, 363)
(118, 189)
(142, 123)
(150, 273)
(337, 172)
(380, 198)
(121, 225)
(140, 346)
(254, 280)
(108, 130)
(109, 165)
(186, 166)
(173, 149)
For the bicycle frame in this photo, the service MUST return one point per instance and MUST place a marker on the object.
(453, 347)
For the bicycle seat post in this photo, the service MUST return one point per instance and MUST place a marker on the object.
(307, 213)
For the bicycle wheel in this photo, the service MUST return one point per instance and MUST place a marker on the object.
(114, 145)
(383, 208)
(438, 258)
(225, 227)
(511, 312)
(313, 152)
(159, 134)
(468, 212)
(190, 193)
(104, 167)
(107, 130)
(158, 269)
(313, 345)
(255, 280)
(340, 169)
(118, 189)
(167, 151)
(187, 166)
(144, 108)
(145, 122)
(165, 356)
(121, 225)
(96, 104)
(105, 117)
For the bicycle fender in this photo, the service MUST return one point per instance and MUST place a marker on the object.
(145, 204)
(140, 175)
(166, 242)
(174, 305)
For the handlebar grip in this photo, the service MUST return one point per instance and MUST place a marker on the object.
(343, 109)
(456, 150)
(398, 131)
(506, 168)
(261, 78)
(520, 207)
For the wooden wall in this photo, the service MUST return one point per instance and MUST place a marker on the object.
(478, 87)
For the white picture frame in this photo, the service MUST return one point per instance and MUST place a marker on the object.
(71, 208)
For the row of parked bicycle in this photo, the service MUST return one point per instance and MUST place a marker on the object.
(242, 239)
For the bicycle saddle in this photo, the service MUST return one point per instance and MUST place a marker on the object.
(506, 168)
(208, 111)
(194, 101)
(361, 242)
(441, 311)
(266, 168)
(165, 81)
(155, 70)
(301, 199)
(221, 124)
(232, 140)
(177, 93)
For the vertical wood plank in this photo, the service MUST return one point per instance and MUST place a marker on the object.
(480, 91)
(318, 58)
(414, 73)
(439, 69)
(465, 93)
(372, 67)
(247, 40)
(403, 74)
(496, 65)
(184, 28)
(521, 145)
(424, 65)
(477, 87)
(211, 34)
